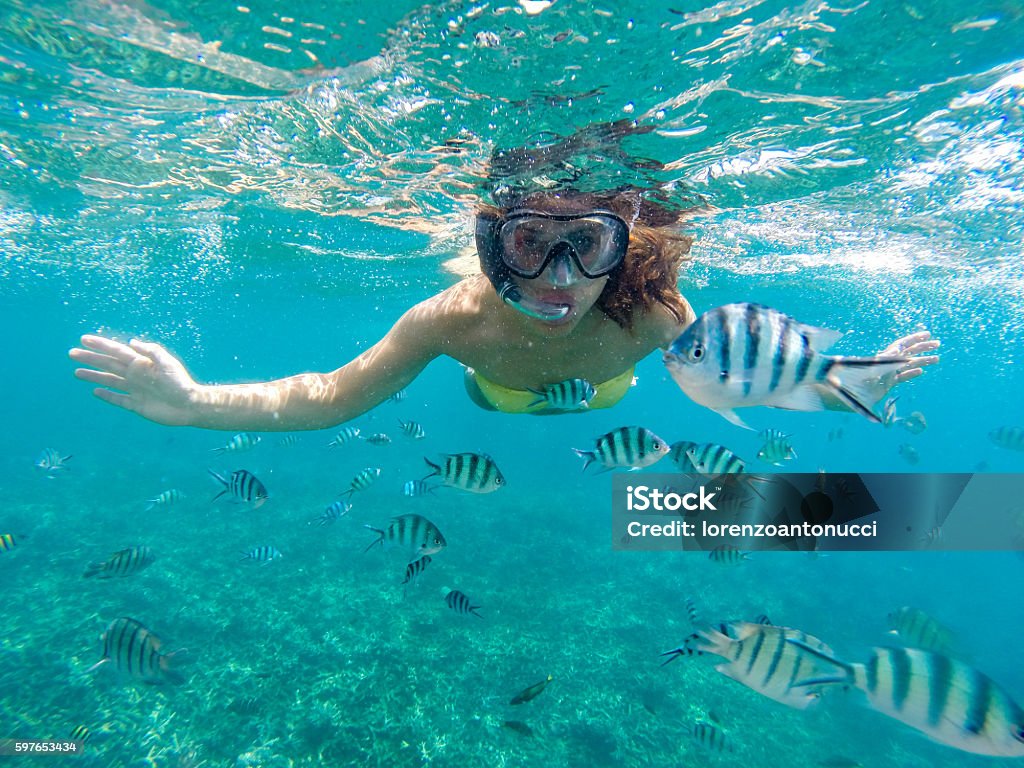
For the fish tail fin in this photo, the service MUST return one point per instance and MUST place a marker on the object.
(589, 457)
(149, 505)
(541, 397)
(850, 378)
(435, 469)
(710, 640)
(378, 540)
(687, 648)
(475, 610)
(218, 451)
(245, 556)
(93, 569)
(220, 479)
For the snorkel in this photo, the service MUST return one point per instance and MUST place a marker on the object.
(496, 271)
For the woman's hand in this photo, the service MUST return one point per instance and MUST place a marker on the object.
(916, 345)
(149, 380)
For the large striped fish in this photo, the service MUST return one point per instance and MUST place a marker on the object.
(242, 485)
(474, 472)
(135, 651)
(743, 355)
(948, 700)
(625, 448)
(759, 657)
(414, 534)
(122, 563)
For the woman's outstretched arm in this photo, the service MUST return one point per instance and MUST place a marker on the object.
(147, 379)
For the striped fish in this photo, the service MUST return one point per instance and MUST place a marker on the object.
(398, 397)
(414, 534)
(80, 733)
(135, 651)
(625, 448)
(415, 568)
(165, 499)
(710, 737)
(744, 355)
(692, 613)
(777, 449)
(122, 563)
(759, 657)
(946, 699)
(414, 488)
(333, 512)
(1004, 437)
(363, 480)
(345, 435)
(412, 429)
(473, 472)
(459, 602)
(677, 455)
(889, 416)
(243, 441)
(243, 486)
(51, 461)
(568, 395)
(262, 554)
(8, 541)
(711, 459)
(378, 438)
(726, 555)
(919, 630)
(288, 441)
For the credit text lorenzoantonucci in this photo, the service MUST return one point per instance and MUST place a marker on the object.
(643, 499)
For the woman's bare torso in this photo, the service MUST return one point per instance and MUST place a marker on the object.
(489, 337)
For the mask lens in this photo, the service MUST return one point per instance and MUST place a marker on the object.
(598, 242)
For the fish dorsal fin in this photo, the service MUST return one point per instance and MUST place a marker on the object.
(820, 339)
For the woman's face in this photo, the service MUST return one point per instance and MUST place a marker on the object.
(562, 283)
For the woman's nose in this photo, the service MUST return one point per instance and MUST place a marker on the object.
(561, 271)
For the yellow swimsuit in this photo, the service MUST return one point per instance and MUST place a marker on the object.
(510, 400)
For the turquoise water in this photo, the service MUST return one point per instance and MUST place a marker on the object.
(273, 203)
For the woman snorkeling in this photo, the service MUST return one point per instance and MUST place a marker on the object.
(575, 286)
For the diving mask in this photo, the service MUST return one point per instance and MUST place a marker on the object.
(528, 240)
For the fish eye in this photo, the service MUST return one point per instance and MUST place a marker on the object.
(656, 445)
(696, 353)
(499, 481)
(1018, 733)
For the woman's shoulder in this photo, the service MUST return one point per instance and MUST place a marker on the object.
(660, 326)
(456, 312)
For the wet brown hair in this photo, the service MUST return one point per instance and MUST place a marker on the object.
(649, 273)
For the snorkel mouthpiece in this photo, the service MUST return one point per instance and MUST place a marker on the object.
(509, 293)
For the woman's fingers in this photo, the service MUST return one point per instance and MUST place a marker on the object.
(97, 360)
(155, 352)
(115, 349)
(907, 375)
(102, 378)
(920, 362)
(114, 398)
